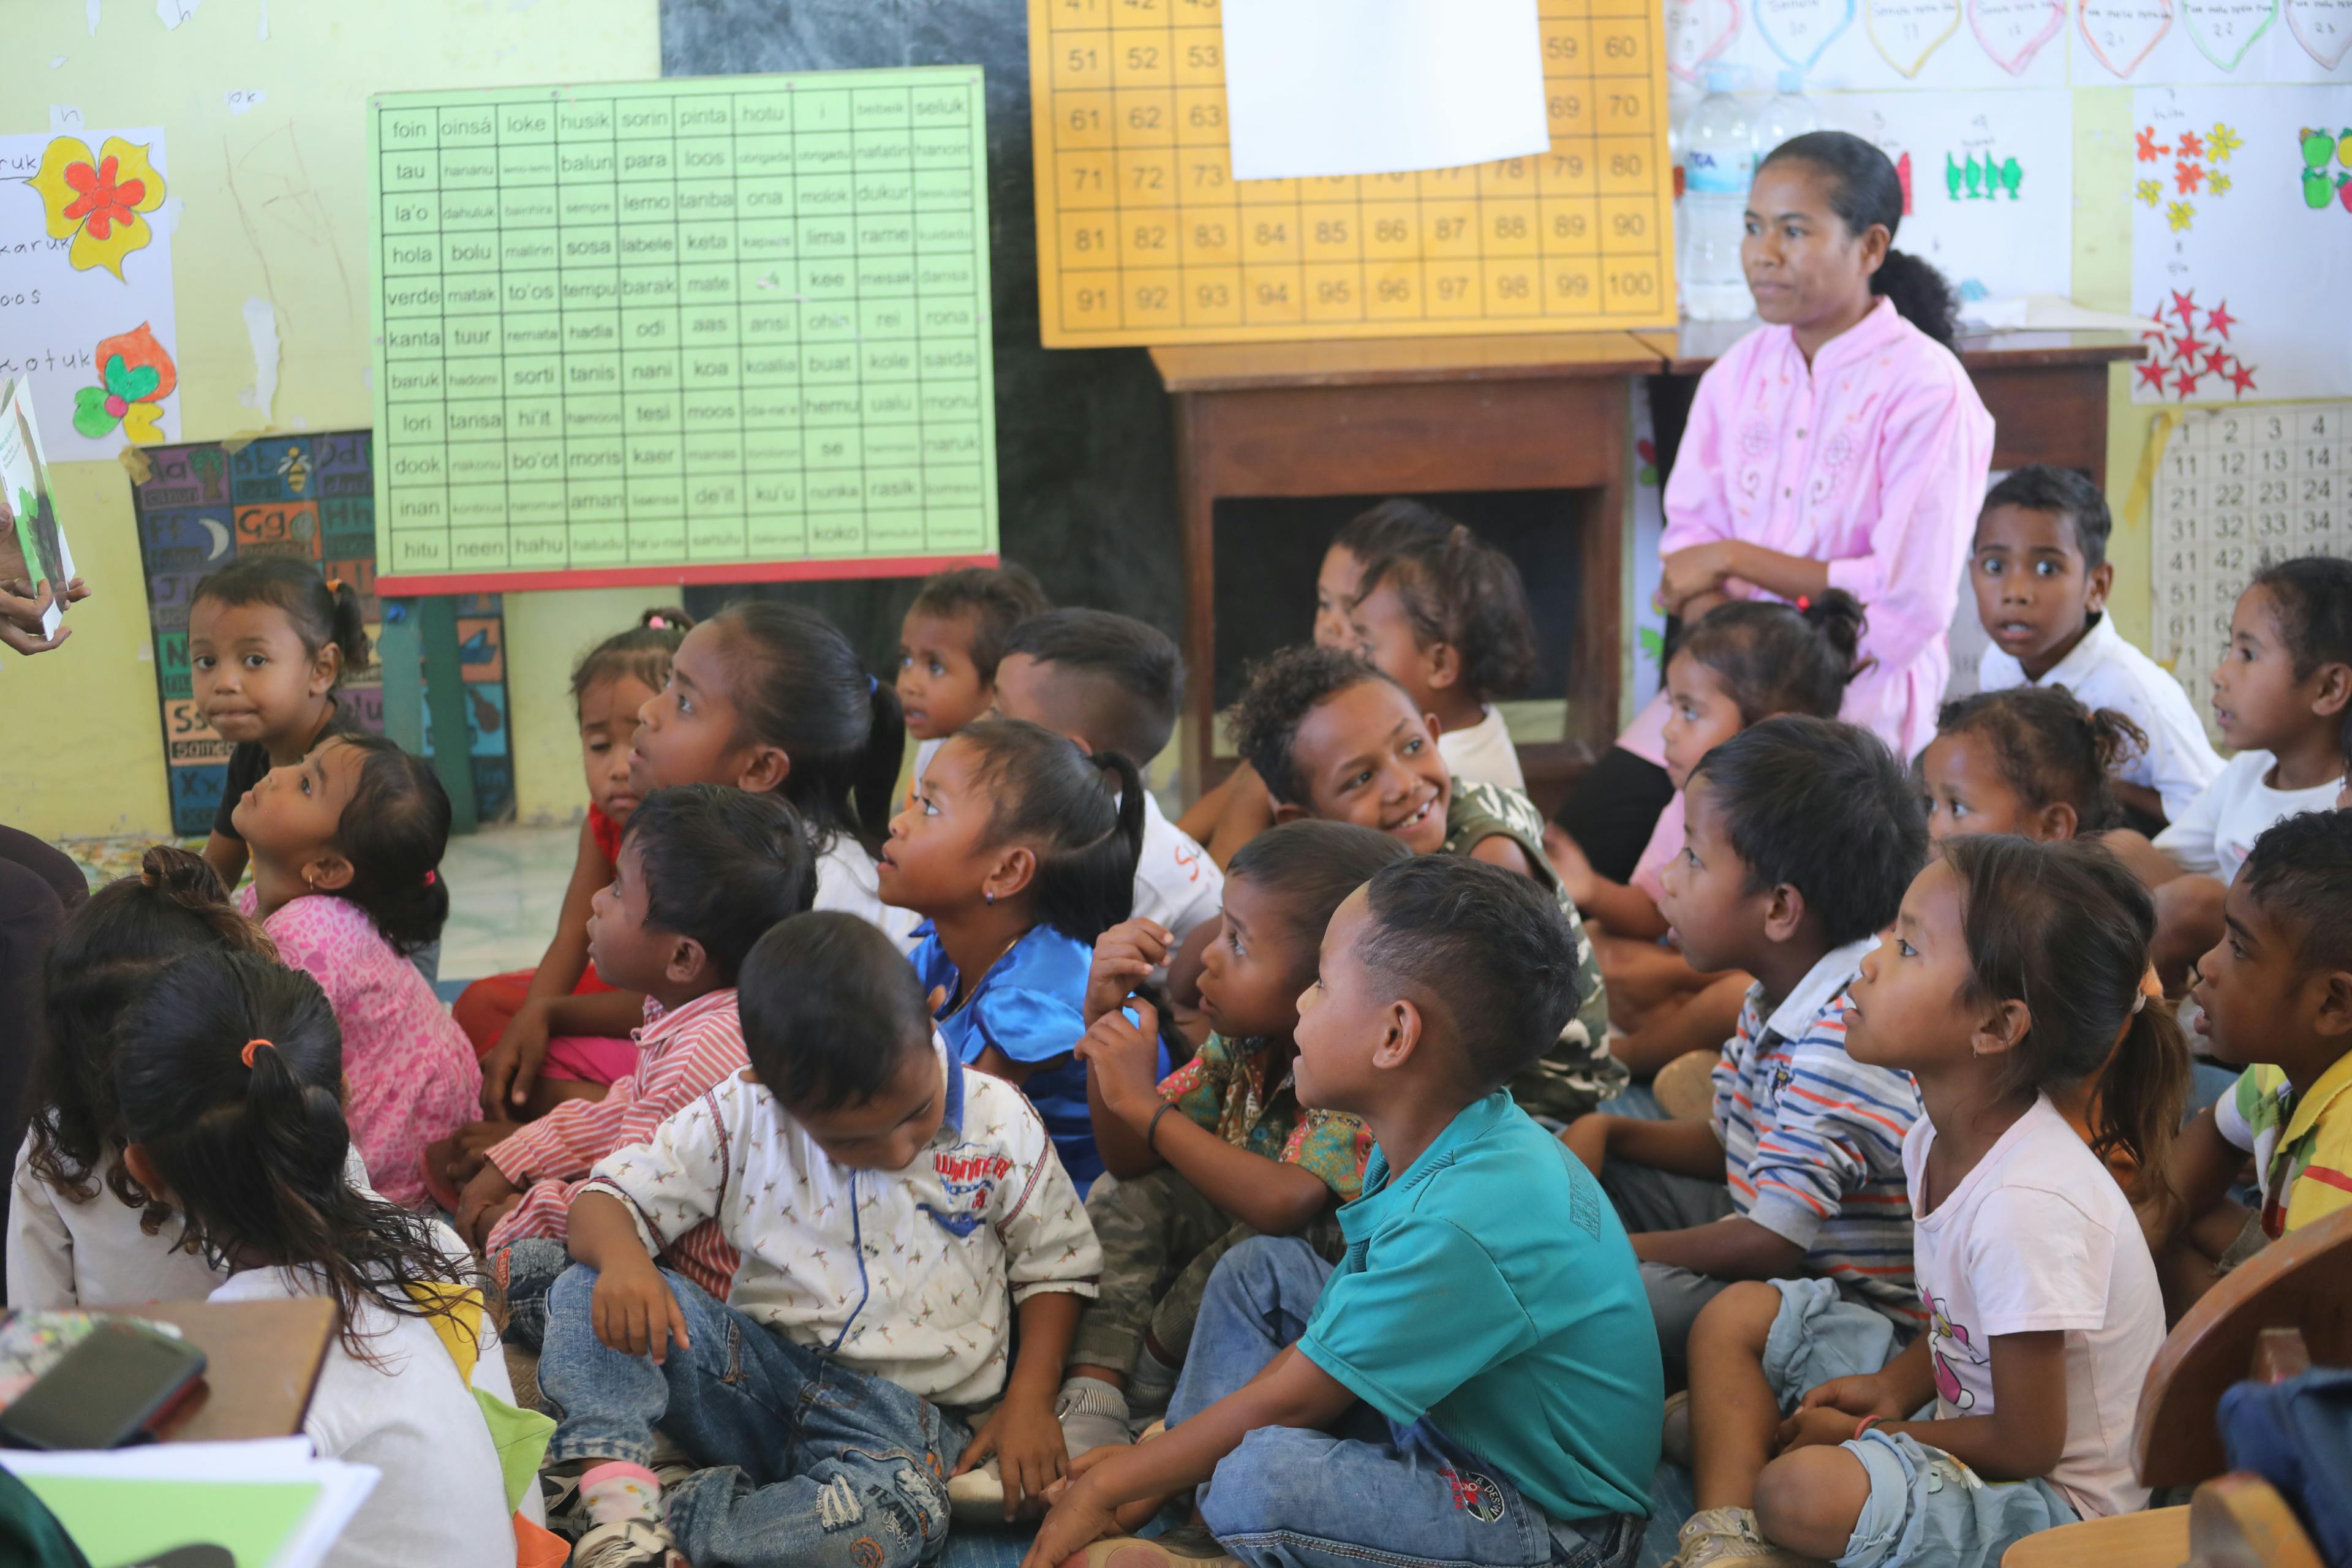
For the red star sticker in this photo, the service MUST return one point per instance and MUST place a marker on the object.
(2151, 373)
(2150, 149)
(2184, 383)
(2185, 177)
(2181, 306)
(2218, 319)
(2242, 378)
(2186, 348)
(2215, 360)
(2191, 144)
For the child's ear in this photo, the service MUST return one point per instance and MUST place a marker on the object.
(1286, 811)
(327, 872)
(326, 668)
(2334, 1015)
(1784, 913)
(2055, 821)
(141, 1166)
(688, 963)
(2334, 690)
(2001, 1030)
(1445, 665)
(1401, 1039)
(763, 771)
(2098, 584)
(1437, 728)
(1014, 870)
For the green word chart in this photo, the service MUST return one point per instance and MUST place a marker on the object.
(703, 330)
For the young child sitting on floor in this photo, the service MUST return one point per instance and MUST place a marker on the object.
(2040, 568)
(1475, 1382)
(1239, 1156)
(2012, 970)
(950, 642)
(618, 677)
(704, 871)
(2277, 989)
(1799, 836)
(1333, 737)
(894, 1212)
(2031, 761)
(1112, 684)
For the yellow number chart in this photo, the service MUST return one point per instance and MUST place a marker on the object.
(1145, 237)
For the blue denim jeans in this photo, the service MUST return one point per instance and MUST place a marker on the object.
(805, 1464)
(524, 1272)
(1373, 1493)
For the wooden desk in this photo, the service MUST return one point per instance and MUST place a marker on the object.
(1413, 417)
(2047, 392)
(262, 1361)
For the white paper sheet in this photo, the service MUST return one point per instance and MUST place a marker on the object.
(1378, 86)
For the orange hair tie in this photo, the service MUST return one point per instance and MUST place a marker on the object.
(250, 1047)
(334, 584)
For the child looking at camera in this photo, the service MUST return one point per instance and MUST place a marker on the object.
(948, 645)
(2031, 761)
(895, 1213)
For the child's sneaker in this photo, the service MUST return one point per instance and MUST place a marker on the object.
(1726, 1535)
(1093, 1415)
(627, 1543)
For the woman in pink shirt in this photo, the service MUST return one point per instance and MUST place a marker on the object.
(1838, 446)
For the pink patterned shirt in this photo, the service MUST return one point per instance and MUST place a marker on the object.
(1875, 459)
(410, 1073)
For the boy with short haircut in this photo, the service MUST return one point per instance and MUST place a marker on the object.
(1333, 736)
(1475, 1381)
(1801, 836)
(2277, 990)
(1112, 684)
(948, 645)
(2041, 576)
(888, 1206)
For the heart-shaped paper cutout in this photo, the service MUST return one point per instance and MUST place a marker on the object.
(1799, 30)
(2121, 33)
(2223, 30)
(2013, 31)
(1697, 32)
(2323, 29)
(1907, 31)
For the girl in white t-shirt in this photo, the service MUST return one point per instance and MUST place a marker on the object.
(2012, 973)
(229, 1069)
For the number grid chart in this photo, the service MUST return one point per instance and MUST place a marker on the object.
(2239, 489)
(1145, 237)
(702, 330)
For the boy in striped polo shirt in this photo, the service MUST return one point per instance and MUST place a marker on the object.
(1800, 837)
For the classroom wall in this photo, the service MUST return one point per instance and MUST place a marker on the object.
(272, 205)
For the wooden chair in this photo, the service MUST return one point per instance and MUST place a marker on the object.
(2283, 1310)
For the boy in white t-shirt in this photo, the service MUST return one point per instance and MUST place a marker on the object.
(1111, 684)
(2040, 568)
(894, 1214)
(2279, 696)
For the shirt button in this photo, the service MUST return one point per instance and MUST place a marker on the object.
(1801, 434)
(1786, 492)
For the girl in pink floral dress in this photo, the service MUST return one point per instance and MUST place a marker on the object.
(346, 849)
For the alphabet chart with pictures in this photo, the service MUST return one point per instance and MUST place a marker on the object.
(1144, 237)
(700, 330)
(2238, 489)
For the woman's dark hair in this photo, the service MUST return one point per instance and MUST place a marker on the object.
(323, 609)
(1863, 191)
(394, 832)
(720, 866)
(1781, 659)
(2064, 928)
(2312, 595)
(642, 653)
(799, 687)
(1277, 694)
(254, 1154)
(1312, 867)
(2052, 750)
(1056, 799)
(111, 948)
(996, 598)
(1459, 590)
(831, 1010)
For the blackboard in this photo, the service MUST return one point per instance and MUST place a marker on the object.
(1086, 479)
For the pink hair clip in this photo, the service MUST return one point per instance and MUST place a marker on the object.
(431, 878)
(1804, 602)
(657, 623)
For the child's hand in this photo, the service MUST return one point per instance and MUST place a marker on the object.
(1577, 877)
(465, 1151)
(1124, 1061)
(1687, 574)
(487, 1199)
(1870, 1395)
(635, 1312)
(1077, 1520)
(1031, 1454)
(512, 1066)
(1587, 1138)
(1818, 1427)
(1125, 957)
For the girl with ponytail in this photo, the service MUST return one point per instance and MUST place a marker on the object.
(230, 1071)
(1018, 850)
(268, 642)
(1839, 444)
(2030, 759)
(81, 1229)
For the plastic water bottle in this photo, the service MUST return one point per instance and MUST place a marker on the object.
(1790, 113)
(1719, 160)
(1681, 98)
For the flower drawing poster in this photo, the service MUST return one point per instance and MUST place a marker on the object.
(86, 311)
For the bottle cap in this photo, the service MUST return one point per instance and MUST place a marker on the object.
(1722, 79)
(1789, 82)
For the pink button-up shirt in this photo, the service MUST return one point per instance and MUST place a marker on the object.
(1874, 459)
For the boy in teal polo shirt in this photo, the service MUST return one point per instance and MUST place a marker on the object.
(1477, 1382)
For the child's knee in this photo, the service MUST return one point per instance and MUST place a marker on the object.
(1740, 1319)
(1809, 1500)
(1247, 1492)
(572, 1291)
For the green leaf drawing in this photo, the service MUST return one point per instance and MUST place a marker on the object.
(1652, 643)
(91, 416)
(132, 385)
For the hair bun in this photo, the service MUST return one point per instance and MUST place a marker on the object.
(1839, 616)
(665, 618)
(184, 876)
